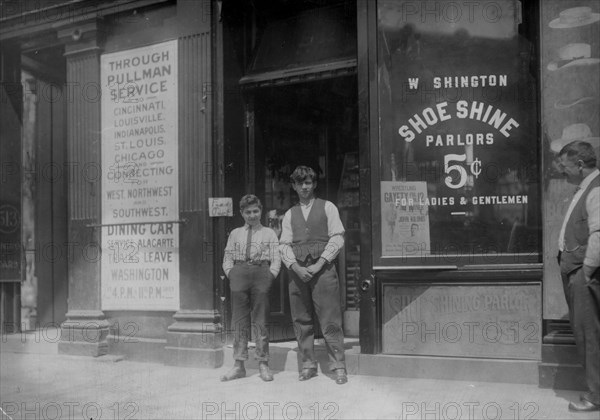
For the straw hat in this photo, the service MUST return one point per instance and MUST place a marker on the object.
(568, 102)
(572, 133)
(574, 17)
(573, 55)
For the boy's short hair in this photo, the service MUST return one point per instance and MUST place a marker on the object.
(249, 200)
(301, 173)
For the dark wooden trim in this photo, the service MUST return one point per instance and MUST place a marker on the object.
(250, 164)
(511, 276)
(218, 175)
(300, 74)
(465, 261)
(367, 139)
(10, 307)
(11, 144)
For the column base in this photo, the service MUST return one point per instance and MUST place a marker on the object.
(137, 349)
(200, 358)
(84, 333)
(196, 339)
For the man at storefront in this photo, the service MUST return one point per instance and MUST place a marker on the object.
(312, 237)
(251, 263)
(579, 259)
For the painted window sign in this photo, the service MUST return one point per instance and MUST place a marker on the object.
(457, 110)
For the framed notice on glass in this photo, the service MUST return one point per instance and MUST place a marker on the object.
(404, 209)
(458, 163)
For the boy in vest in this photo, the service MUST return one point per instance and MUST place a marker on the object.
(312, 236)
(579, 259)
(251, 263)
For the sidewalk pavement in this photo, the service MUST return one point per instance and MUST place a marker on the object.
(53, 386)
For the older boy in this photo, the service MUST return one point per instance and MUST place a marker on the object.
(311, 238)
(251, 263)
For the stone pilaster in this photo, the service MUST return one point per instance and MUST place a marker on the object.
(195, 339)
(86, 328)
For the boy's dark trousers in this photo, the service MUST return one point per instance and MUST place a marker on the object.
(321, 295)
(250, 284)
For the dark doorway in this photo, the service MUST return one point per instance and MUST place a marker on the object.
(44, 189)
(312, 124)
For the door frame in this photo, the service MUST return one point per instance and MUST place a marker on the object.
(52, 248)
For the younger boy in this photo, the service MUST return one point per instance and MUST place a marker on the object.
(251, 263)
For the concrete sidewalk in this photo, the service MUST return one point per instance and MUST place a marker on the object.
(52, 386)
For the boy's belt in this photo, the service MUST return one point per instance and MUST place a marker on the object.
(252, 262)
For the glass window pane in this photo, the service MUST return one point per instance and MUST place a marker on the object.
(458, 147)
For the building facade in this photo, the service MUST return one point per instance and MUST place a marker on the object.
(131, 129)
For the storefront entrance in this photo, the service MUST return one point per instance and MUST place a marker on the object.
(35, 245)
(44, 190)
(312, 124)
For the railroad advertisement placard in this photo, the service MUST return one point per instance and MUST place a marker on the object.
(140, 197)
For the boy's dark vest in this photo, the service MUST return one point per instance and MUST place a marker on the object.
(310, 236)
(577, 233)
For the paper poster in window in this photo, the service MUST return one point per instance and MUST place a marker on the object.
(405, 219)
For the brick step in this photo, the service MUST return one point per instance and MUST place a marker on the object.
(561, 376)
(560, 353)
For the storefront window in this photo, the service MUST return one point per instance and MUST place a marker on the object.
(458, 139)
(570, 110)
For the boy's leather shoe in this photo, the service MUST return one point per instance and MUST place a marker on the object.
(307, 373)
(236, 372)
(583, 406)
(264, 372)
(340, 376)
